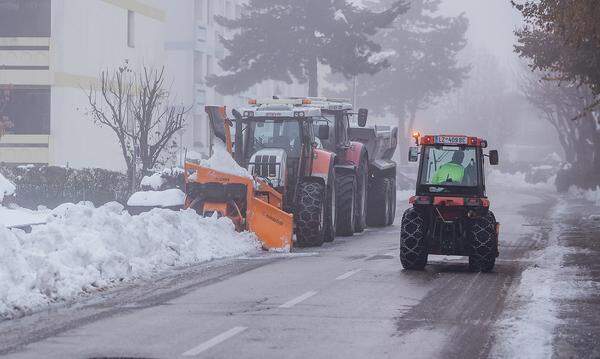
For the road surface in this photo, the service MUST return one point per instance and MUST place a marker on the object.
(348, 299)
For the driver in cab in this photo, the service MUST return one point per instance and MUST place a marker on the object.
(452, 171)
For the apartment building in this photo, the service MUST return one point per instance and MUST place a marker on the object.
(50, 52)
(194, 51)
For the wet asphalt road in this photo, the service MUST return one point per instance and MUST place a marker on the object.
(348, 299)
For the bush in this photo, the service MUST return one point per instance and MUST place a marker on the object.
(50, 185)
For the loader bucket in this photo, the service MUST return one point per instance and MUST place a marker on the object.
(273, 226)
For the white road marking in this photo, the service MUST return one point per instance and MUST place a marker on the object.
(348, 274)
(214, 341)
(297, 300)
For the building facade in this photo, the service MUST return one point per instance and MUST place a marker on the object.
(51, 51)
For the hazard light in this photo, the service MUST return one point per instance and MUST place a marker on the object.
(416, 135)
(306, 101)
(252, 102)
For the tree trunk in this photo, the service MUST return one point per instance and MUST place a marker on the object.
(313, 78)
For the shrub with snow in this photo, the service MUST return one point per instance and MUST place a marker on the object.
(7, 188)
(82, 248)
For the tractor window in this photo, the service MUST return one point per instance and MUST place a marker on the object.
(328, 120)
(276, 134)
(449, 166)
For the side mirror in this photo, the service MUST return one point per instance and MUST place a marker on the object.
(493, 157)
(363, 114)
(413, 154)
(323, 132)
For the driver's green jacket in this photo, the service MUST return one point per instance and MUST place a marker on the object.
(450, 172)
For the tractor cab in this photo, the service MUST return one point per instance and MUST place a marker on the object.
(278, 137)
(451, 165)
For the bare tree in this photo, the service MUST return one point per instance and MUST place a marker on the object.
(139, 109)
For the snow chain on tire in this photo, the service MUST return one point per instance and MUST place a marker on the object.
(310, 214)
(484, 243)
(346, 198)
(413, 249)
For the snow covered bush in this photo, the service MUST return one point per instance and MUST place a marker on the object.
(7, 188)
(83, 248)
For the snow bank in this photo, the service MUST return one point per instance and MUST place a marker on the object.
(222, 161)
(589, 195)
(20, 217)
(7, 188)
(168, 198)
(155, 181)
(82, 248)
(517, 180)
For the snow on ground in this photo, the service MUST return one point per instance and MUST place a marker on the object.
(527, 330)
(589, 195)
(82, 248)
(155, 181)
(20, 217)
(168, 198)
(7, 188)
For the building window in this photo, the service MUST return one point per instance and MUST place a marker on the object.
(130, 28)
(29, 110)
(25, 18)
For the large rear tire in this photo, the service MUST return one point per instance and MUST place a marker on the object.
(310, 214)
(362, 180)
(378, 203)
(413, 248)
(484, 243)
(346, 199)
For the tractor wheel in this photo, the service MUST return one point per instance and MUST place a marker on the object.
(346, 199)
(484, 243)
(362, 181)
(310, 214)
(413, 249)
(392, 207)
(331, 209)
(378, 203)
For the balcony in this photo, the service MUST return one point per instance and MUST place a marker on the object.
(201, 36)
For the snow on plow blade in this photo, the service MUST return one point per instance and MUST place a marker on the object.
(208, 189)
(273, 226)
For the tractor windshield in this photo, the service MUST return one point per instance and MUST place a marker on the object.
(275, 133)
(449, 166)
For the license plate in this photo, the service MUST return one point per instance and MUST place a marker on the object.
(451, 140)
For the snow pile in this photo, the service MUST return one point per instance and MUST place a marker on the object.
(589, 195)
(7, 188)
(517, 180)
(83, 248)
(155, 181)
(168, 198)
(21, 217)
(222, 161)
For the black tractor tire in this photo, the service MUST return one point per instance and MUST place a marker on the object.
(484, 243)
(362, 183)
(413, 247)
(310, 214)
(346, 200)
(378, 203)
(392, 201)
(330, 208)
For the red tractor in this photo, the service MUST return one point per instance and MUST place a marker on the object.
(450, 213)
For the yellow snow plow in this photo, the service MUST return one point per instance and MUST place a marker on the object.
(251, 203)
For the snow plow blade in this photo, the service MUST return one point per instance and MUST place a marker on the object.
(273, 226)
(256, 210)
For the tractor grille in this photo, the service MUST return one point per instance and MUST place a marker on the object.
(265, 166)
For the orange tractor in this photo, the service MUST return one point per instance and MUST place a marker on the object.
(290, 183)
(450, 213)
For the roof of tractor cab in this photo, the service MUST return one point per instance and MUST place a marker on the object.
(297, 109)
(451, 140)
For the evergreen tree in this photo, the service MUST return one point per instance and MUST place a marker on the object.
(423, 48)
(287, 39)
